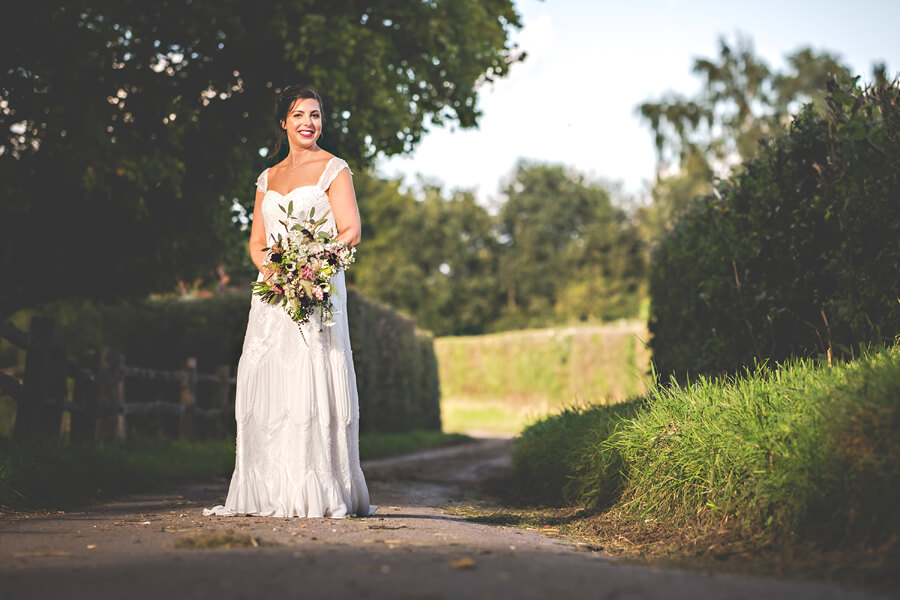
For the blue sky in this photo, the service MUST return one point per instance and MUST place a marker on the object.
(590, 63)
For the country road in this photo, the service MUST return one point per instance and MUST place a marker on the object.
(134, 548)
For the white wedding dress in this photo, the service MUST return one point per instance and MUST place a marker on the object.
(296, 404)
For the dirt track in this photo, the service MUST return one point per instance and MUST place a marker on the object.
(410, 549)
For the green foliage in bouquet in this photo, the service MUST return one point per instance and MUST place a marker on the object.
(301, 266)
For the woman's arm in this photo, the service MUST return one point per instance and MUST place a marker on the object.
(258, 234)
(344, 209)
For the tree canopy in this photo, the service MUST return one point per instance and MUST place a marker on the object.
(131, 129)
(742, 101)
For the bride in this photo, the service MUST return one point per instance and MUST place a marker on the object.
(296, 407)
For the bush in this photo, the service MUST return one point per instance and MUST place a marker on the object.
(805, 452)
(395, 363)
(396, 369)
(798, 253)
(554, 458)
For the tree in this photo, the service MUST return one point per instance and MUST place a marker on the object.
(130, 136)
(796, 254)
(433, 258)
(568, 253)
(743, 101)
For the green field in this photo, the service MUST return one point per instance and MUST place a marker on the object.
(500, 383)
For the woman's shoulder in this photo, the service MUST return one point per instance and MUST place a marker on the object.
(262, 182)
(338, 162)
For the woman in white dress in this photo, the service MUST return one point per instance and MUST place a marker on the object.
(296, 407)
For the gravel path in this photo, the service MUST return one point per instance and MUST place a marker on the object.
(129, 549)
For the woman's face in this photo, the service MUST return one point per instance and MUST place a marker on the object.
(303, 124)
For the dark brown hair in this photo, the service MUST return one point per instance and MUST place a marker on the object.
(286, 99)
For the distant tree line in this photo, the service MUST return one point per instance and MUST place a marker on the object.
(559, 250)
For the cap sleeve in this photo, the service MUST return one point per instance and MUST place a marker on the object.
(262, 181)
(334, 167)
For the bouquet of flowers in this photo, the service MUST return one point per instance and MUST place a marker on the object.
(302, 263)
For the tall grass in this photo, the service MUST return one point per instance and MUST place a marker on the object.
(502, 382)
(804, 450)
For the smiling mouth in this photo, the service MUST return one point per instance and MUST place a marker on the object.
(306, 132)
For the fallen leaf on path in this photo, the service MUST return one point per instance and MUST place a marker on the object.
(219, 539)
(173, 529)
(466, 562)
(386, 527)
(91, 546)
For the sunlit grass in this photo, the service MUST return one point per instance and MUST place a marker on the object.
(461, 415)
(503, 382)
(806, 451)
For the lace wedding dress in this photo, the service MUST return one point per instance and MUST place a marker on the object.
(296, 407)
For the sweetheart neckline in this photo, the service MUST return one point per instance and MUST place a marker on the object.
(299, 187)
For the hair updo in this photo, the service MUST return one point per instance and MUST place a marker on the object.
(286, 99)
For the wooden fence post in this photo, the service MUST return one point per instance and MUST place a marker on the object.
(111, 423)
(188, 399)
(117, 366)
(86, 397)
(52, 413)
(37, 383)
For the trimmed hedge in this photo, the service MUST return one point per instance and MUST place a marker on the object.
(395, 363)
(798, 253)
(396, 369)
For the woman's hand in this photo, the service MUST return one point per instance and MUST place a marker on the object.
(267, 273)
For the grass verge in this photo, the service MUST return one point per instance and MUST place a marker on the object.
(799, 461)
(61, 476)
(382, 445)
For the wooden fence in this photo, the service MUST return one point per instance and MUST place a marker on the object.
(98, 406)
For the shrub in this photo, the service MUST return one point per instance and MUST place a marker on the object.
(798, 252)
(803, 452)
(558, 459)
(395, 363)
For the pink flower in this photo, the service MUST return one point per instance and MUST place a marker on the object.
(277, 289)
(307, 273)
(317, 292)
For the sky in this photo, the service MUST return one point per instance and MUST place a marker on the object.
(590, 63)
